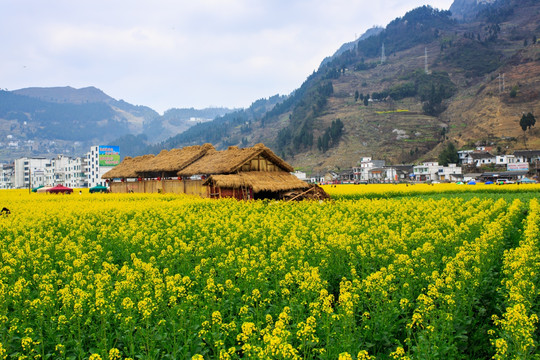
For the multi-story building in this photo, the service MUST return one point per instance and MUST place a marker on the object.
(76, 176)
(432, 171)
(99, 160)
(7, 175)
(25, 169)
(367, 166)
(76, 172)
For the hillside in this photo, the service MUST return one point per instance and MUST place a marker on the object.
(390, 108)
(65, 120)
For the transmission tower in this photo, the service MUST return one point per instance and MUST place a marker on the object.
(501, 83)
(383, 57)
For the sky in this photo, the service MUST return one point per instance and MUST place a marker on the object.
(180, 54)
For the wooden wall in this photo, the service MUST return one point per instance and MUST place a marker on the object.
(260, 164)
(193, 187)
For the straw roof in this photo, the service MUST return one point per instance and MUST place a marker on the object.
(175, 159)
(259, 181)
(230, 160)
(128, 168)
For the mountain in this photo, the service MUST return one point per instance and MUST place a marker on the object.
(351, 45)
(175, 121)
(438, 81)
(44, 121)
(468, 9)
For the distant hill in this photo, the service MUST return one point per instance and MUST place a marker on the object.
(44, 121)
(66, 94)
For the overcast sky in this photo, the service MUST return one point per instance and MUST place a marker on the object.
(179, 53)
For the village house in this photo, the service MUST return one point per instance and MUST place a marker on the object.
(249, 173)
(527, 156)
(432, 171)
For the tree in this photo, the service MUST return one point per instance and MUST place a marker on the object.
(527, 121)
(449, 155)
(356, 95)
(514, 91)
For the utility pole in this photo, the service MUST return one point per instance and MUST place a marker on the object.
(425, 61)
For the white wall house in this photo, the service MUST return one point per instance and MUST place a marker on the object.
(300, 175)
(432, 171)
(505, 159)
(367, 169)
(528, 156)
(482, 158)
(464, 156)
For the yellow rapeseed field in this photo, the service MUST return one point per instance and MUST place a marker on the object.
(157, 276)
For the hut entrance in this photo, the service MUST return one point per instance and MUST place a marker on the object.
(267, 195)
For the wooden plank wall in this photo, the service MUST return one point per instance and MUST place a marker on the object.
(260, 164)
(193, 187)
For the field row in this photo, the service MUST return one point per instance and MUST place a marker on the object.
(168, 277)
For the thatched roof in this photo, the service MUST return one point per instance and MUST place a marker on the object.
(128, 168)
(175, 159)
(230, 160)
(258, 180)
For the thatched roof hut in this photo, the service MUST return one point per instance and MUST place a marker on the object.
(128, 168)
(168, 162)
(272, 181)
(249, 173)
(234, 160)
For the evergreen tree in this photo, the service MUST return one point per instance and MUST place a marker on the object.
(527, 121)
(449, 155)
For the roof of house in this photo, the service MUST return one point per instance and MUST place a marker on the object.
(527, 153)
(128, 168)
(231, 160)
(175, 159)
(481, 155)
(258, 181)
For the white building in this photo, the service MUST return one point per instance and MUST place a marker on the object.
(99, 160)
(481, 158)
(529, 156)
(72, 172)
(300, 175)
(464, 156)
(432, 171)
(76, 176)
(7, 176)
(368, 169)
(24, 170)
(505, 159)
